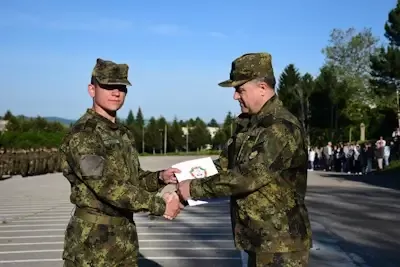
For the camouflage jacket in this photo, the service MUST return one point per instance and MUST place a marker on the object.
(101, 162)
(264, 170)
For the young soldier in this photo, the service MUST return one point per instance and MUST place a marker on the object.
(100, 161)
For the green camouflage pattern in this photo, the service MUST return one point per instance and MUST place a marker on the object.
(90, 244)
(100, 161)
(249, 67)
(29, 162)
(288, 259)
(2, 163)
(266, 177)
(107, 72)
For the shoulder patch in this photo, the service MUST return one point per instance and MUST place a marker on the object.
(91, 165)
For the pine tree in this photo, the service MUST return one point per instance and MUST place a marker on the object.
(386, 74)
(130, 120)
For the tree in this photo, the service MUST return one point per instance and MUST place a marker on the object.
(139, 130)
(392, 26)
(385, 73)
(182, 123)
(219, 139)
(8, 115)
(304, 91)
(199, 135)
(349, 52)
(191, 123)
(152, 137)
(326, 105)
(176, 139)
(213, 123)
(140, 118)
(294, 91)
(229, 124)
(130, 120)
(288, 82)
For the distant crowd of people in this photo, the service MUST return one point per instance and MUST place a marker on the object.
(355, 158)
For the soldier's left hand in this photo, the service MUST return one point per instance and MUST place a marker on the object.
(173, 205)
(168, 175)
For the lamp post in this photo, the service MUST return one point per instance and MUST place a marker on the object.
(165, 138)
(187, 138)
(161, 140)
(143, 145)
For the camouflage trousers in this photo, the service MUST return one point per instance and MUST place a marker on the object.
(287, 259)
(97, 244)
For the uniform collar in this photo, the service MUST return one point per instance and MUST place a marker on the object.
(106, 122)
(270, 107)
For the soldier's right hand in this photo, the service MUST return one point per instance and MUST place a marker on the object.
(173, 205)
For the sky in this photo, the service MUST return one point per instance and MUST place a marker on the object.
(177, 51)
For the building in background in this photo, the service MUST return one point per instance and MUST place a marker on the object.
(3, 125)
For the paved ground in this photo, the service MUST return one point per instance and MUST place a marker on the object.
(354, 224)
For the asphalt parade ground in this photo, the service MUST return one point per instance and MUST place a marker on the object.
(354, 224)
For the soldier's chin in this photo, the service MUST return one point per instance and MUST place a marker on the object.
(113, 108)
(244, 109)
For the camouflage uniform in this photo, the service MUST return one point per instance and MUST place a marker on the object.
(32, 162)
(2, 164)
(7, 163)
(14, 162)
(264, 171)
(24, 163)
(55, 159)
(100, 161)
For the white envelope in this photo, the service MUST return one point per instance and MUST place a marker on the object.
(195, 169)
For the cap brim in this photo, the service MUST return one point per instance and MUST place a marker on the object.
(230, 83)
(125, 82)
(122, 83)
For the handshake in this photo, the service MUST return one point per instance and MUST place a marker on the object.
(173, 193)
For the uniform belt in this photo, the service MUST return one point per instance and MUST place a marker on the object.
(100, 218)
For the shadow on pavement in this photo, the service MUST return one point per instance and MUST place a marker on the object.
(357, 224)
(390, 179)
(215, 236)
(143, 262)
(3, 178)
(363, 222)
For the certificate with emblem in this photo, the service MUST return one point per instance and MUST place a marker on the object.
(195, 169)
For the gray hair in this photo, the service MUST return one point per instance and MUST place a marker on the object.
(270, 81)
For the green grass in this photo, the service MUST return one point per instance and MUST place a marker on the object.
(394, 168)
(191, 153)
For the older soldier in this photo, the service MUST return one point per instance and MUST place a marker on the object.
(101, 163)
(263, 170)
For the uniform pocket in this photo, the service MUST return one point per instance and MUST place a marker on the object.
(76, 234)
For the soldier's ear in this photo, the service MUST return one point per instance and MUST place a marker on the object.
(263, 87)
(91, 90)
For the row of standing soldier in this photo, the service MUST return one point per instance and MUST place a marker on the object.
(29, 162)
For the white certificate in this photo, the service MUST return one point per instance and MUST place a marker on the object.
(195, 169)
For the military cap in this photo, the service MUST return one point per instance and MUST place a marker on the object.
(248, 67)
(110, 73)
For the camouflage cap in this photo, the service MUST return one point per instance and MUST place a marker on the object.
(110, 73)
(248, 67)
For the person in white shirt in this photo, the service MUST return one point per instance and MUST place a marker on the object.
(380, 143)
(311, 158)
(386, 155)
